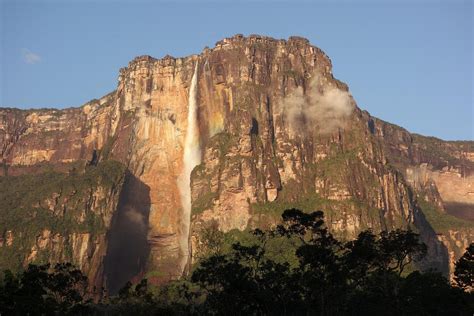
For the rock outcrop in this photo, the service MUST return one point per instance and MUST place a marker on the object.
(276, 130)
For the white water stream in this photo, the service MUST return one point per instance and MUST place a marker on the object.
(191, 158)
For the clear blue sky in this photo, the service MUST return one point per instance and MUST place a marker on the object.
(407, 62)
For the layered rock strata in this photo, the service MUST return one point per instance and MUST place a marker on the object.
(275, 130)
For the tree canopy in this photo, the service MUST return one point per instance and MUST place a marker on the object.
(324, 276)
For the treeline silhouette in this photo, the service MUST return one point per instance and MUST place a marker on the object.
(371, 275)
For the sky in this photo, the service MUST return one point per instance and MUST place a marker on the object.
(406, 62)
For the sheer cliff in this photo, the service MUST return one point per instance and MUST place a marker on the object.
(245, 129)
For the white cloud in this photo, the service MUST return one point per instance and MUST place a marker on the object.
(323, 107)
(29, 57)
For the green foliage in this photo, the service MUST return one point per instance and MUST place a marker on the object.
(222, 141)
(364, 276)
(288, 198)
(58, 202)
(43, 290)
(360, 277)
(211, 241)
(203, 202)
(440, 221)
(392, 251)
(440, 153)
(279, 249)
(307, 203)
(464, 272)
(335, 164)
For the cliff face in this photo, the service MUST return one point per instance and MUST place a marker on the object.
(274, 128)
(59, 217)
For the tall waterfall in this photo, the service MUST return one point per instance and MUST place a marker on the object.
(191, 158)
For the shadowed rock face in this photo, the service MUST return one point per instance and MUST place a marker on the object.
(276, 129)
(460, 210)
(128, 249)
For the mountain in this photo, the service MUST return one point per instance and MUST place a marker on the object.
(123, 185)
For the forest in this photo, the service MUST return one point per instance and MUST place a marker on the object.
(296, 268)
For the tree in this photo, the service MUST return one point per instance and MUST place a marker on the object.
(45, 290)
(366, 276)
(397, 249)
(320, 272)
(464, 271)
(363, 276)
(247, 280)
(430, 293)
(211, 241)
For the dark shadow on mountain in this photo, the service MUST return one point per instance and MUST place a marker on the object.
(128, 249)
(437, 257)
(463, 211)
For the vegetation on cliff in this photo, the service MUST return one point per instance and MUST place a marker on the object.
(441, 221)
(57, 203)
(365, 276)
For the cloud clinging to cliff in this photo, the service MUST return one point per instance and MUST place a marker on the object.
(322, 107)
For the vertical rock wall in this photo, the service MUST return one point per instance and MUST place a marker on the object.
(257, 157)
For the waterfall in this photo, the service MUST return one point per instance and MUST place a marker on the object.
(191, 158)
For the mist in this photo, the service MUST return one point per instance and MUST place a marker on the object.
(136, 218)
(322, 108)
